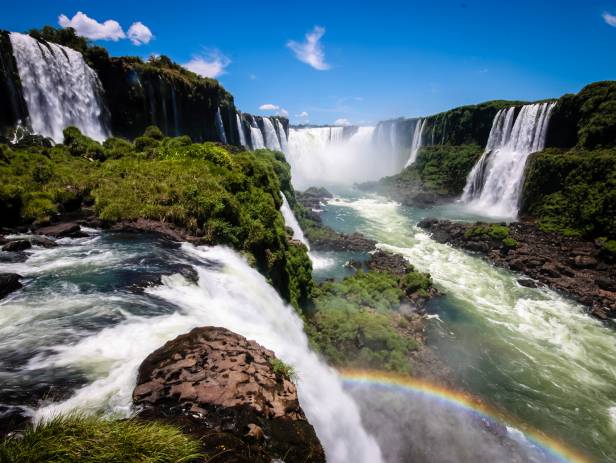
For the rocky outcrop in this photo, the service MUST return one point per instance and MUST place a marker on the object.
(62, 230)
(578, 268)
(220, 383)
(13, 107)
(9, 282)
(313, 197)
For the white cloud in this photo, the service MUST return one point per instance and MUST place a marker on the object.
(342, 121)
(302, 114)
(609, 19)
(269, 107)
(92, 29)
(139, 33)
(283, 112)
(311, 51)
(212, 63)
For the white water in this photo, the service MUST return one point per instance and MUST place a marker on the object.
(220, 127)
(229, 294)
(256, 137)
(494, 184)
(271, 138)
(322, 157)
(282, 135)
(416, 142)
(60, 89)
(240, 130)
(291, 222)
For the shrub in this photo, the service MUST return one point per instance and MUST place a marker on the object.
(78, 438)
(510, 243)
(282, 369)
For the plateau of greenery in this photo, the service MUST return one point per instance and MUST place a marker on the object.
(208, 191)
(79, 438)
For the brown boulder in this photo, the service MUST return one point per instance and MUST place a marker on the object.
(62, 230)
(228, 384)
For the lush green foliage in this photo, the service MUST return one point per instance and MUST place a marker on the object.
(573, 192)
(442, 169)
(78, 439)
(586, 120)
(494, 231)
(282, 369)
(356, 323)
(223, 198)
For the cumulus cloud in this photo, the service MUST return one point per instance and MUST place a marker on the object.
(269, 107)
(609, 19)
(211, 63)
(342, 121)
(139, 33)
(283, 112)
(92, 29)
(302, 114)
(311, 50)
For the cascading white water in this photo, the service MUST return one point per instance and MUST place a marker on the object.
(240, 130)
(103, 335)
(416, 142)
(60, 89)
(494, 184)
(271, 138)
(220, 127)
(256, 137)
(291, 222)
(323, 156)
(282, 135)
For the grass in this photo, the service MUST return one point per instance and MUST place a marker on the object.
(80, 439)
(282, 369)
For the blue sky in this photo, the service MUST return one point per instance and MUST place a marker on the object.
(379, 60)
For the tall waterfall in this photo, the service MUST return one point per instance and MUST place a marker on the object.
(271, 137)
(59, 88)
(282, 135)
(240, 130)
(416, 142)
(220, 127)
(494, 184)
(256, 137)
(291, 222)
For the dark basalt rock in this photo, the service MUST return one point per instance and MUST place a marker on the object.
(222, 387)
(9, 282)
(312, 197)
(17, 246)
(573, 266)
(62, 230)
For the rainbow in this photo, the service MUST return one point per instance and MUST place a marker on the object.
(406, 384)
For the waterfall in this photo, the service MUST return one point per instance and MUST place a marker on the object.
(291, 222)
(256, 136)
(282, 135)
(59, 88)
(112, 329)
(240, 130)
(220, 127)
(494, 184)
(271, 138)
(416, 141)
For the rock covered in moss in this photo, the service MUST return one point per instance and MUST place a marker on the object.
(216, 380)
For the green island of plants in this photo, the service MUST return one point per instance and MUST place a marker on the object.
(206, 190)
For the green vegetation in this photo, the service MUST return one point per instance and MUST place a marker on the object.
(572, 192)
(204, 189)
(586, 120)
(77, 439)
(356, 324)
(494, 231)
(440, 169)
(282, 369)
(510, 243)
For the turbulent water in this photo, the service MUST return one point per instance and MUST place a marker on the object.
(80, 325)
(530, 352)
(60, 89)
(495, 182)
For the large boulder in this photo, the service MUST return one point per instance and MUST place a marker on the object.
(62, 230)
(9, 282)
(213, 381)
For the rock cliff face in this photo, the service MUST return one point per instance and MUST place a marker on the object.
(13, 107)
(225, 388)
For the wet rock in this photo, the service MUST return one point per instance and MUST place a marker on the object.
(13, 420)
(341, 242)
(17, 246)
(220, 381)
(36, 240)
(585, 262)
(9, 282)
(389, 262)
(62, 230)
(313, 197)
(527, 283)
(606, 284)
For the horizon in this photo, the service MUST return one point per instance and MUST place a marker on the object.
(358, 66)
